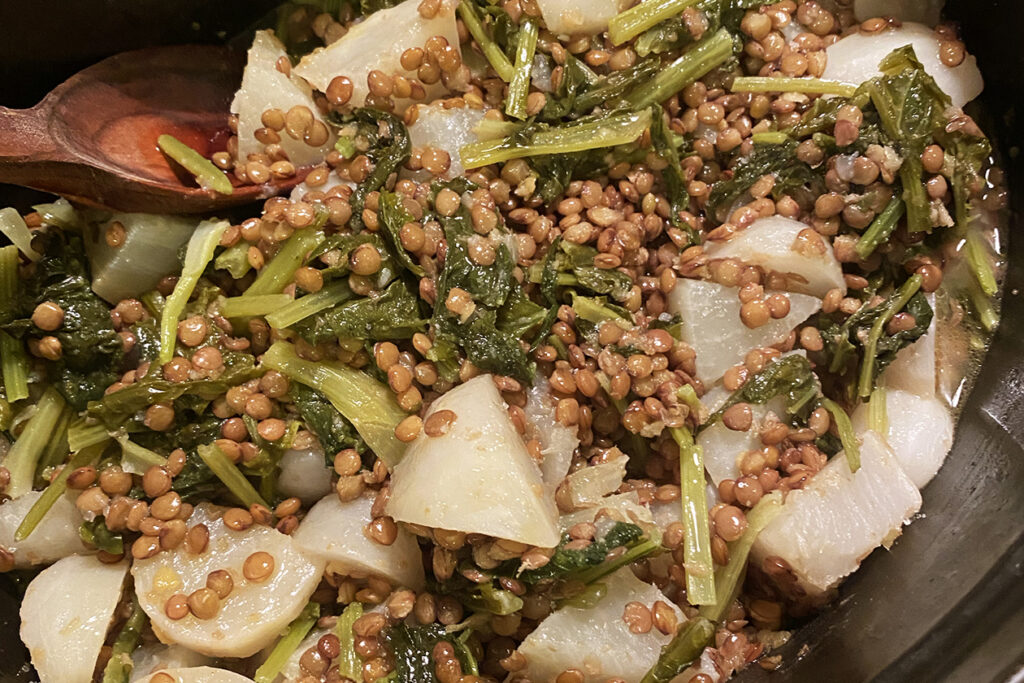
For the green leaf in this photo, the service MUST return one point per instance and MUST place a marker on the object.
(393, 216)
(778, 161)
(96, 534)
(790, 377)
(334, 432)
(394, 314)
(411, 649)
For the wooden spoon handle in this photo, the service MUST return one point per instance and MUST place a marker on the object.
(23, 136)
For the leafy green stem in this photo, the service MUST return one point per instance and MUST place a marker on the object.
(637, 19)
(808, 86)
(22, 459)
(705, 56)
(288, 643)
(120, 665)
(894, 305)
(846, 433)
(700, 572)
(230, 475)
(880, 229)
(55, 490)
(519, 86)
(494, 54)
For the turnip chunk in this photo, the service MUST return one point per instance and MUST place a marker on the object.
(196, 674)
(305, 474)
(153, 657)
(263, 88)
(920, 432)
(477, 477)
(333, 531)
(621, 507)
(588, 485)
(922, 11)
(771, 243)
(66, 613)
(712, 325)
(445, 129)
(724, 447)
(557, 442)
(148, 253)
(377, 44)
(825, 529)
(254, 613)
(855, 59)
(596, 640)
(914, 368)
(54, 538)
(566, 17)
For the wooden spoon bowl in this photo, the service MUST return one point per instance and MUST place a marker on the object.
(93, 138)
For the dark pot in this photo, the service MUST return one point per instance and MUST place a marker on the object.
(947, 603)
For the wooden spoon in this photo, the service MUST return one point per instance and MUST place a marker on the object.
(93, 139)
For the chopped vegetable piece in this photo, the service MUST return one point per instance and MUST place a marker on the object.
(278, 273)
(13, 227)
(293, 635)
(643, 16)
(870, 367)
(252, 306)
(711, 52)
(846, 435)
(120, 665)
(299, 309)
(207, 175)
(348, 661)
(700, 571)
(519, 87)
(369, 405)
(15, 366)
(55, 490)
(606, 131)
(494, 54)
(23, 458)
(810, 86)
(230, 475)
(881, 228)
(199, 253)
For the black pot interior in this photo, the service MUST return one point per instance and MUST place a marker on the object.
(947, 603)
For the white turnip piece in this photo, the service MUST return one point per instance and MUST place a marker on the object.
(65, 615)
(253, 613)
(557, 442)
(566, 17)
(152, 657)
(55, 537)
(855, 59)
(196, 674)
(148, 253)
(724, 448)
(712, 325)
(334, 532)
(376, 44)
(920, 432)
(809, 266)
(477, 477)
(265, 87)
(825, 529)
(445, 129)
(587, 486)
(596, 640)
(304, 474)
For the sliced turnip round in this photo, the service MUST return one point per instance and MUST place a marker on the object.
(66, 613)
(196, 674)
(477, 477)
(809, 267)
(335, 532)
(596, 640)
(712, 325)
(825, 529)
(855, 59)
(265, 87)
(377, 43)
(54, 538)
(920, 432)
(254, 612)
